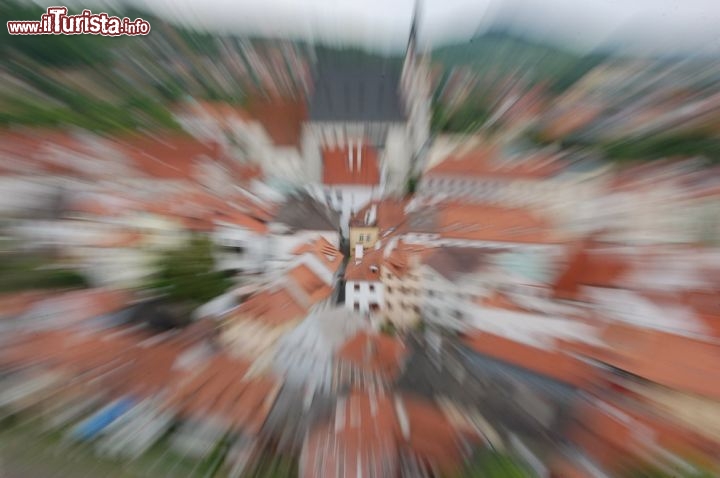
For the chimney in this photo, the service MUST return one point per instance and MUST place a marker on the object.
(359, 157)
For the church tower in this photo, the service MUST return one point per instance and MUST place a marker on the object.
(416, 94)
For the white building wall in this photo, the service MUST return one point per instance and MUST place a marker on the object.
(252, 256)
(445, 304)
(402, 298)
(396, 159)
(361, 296)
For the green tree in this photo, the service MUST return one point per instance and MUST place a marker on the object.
(466, 119)
(188, 273)
(492, 464)
(650, 471)
(54, 50)
(273, 466)
(21, 272)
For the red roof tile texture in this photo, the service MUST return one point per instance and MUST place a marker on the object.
(357, 166)
(282, 119)
(550, 362)
(374, 353)
(682, 363)
(485, 162)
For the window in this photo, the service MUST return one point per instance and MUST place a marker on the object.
(356, 306)
(372, 287)
(389, 290)
(356, 287)
(374, 307)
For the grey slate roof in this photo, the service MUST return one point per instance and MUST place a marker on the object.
(302, 211)
(367, 91)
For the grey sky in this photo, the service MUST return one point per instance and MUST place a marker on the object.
(639, 26)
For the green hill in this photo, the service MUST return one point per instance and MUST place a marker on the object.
(503, 54)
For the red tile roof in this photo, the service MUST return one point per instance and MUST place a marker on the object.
(617, 434)
(375, 353)
(432, 437)
(589, 268)
(366, 438)
(366, 269)
(221, 390)
(314, 287)
(401, 259)
(550, 362)
(490, 223)
(389, 213)
(338, 170)
(359, 442)
(682, 363)
(282, 119)
(486, 162)
(323, 250)
(168, 157)
(273, 306)
(17, 303)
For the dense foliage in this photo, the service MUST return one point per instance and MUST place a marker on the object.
(492, 464)
(188, 274)
(505, 54)
(20, 272)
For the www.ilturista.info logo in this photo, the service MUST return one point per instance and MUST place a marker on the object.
(57, 22)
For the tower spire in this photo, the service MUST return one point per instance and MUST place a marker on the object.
(412, 39)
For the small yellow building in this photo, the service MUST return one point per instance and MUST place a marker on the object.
(363, 235)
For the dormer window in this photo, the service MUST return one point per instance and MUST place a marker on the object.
(374, 269)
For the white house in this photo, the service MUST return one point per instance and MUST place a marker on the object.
(363, 284)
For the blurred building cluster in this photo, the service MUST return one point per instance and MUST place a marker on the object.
(320, 281)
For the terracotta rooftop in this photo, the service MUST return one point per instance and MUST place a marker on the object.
(389, 214)
(324, 251)
(13, 304)
(282, 119)
(359, 442)
(432, 438)
(589, 268)
(374, 353)
(616, 434)
(351, 166)
(483, 223)
(172, 157)
(682, 363)
(315, 288)
(219, 111)
(486, 162)
(572, 119)
(366, 269)
(273, 306)
(404, 256)
(552, 363)
(220, 390)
